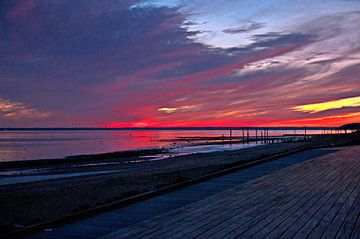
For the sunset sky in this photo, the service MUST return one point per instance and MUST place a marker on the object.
(129, 63)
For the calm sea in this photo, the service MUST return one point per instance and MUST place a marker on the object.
(27, 145)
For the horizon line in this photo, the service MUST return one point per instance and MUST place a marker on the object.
(172, 128)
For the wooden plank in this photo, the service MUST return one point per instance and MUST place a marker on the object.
(222, 211)
(278, 229)
(305, 214)
(350, 220)
(265, 226)
(140, 227)
(223, 215)
(310, 210)
(262, 220)
(301, 176)
(331, 222)
(209, 213)
(259, 183)
(314, 224)
(355, 233)
(240, 221)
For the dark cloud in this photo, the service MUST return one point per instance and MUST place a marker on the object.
(326, 62)
(277, 39)
(252, 26)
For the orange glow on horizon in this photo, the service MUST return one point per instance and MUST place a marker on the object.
(331, 121)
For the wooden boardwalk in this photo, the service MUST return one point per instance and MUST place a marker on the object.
(111, 221)
(319, 198)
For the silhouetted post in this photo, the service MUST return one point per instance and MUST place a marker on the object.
(265, 139)
(261, 136)
(266, 136)
(305, 133)
(230, 136)
(247, 135)
(243, 136)
(256, 136)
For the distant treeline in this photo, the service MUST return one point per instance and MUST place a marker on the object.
(351, 126)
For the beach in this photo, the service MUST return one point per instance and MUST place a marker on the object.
(37, 202)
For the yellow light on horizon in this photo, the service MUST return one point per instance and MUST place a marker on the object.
(330, 105)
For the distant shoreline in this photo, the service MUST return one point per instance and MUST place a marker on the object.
(164, 128)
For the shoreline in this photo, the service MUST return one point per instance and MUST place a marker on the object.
(53, 199)
(146, 152)
(82, 158)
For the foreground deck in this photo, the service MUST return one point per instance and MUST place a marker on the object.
(113, 220)
(319, 198)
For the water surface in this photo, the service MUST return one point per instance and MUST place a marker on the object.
(26, 145)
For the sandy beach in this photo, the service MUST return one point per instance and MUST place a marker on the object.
(30, 203)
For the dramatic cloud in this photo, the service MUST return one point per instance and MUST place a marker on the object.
(336, 104)
(178, 62)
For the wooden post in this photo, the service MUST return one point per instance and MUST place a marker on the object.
(243, 136)
(247, 134)
(230, 136)
(305, 132)
(256, 136)
(264, 136)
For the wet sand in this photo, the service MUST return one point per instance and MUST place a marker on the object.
(29, 203)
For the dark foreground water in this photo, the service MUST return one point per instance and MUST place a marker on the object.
(26, 145)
